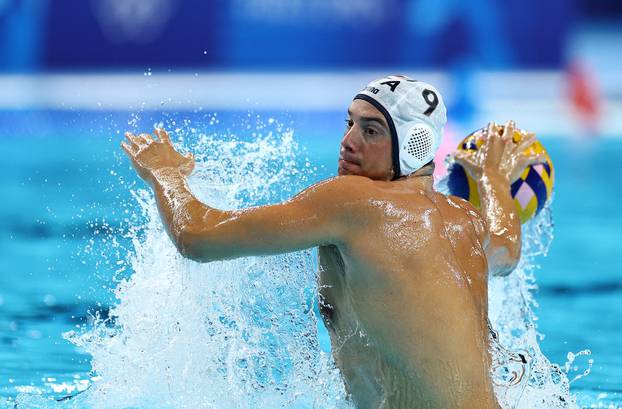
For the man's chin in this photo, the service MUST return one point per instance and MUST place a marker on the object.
(348, 168)
(343, 172)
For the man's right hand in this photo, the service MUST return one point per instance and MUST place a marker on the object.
(148, 155)
(499, 155)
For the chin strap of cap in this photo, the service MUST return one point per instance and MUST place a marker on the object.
(395, 148)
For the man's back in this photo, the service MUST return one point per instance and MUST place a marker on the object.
(405, 301)
(404, 269)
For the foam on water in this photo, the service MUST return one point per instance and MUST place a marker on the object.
(239, 333)
(523, 377)
(244, 333)
(534, 382)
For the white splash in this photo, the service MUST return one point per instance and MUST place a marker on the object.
(231, 334)
(244, 333)
(523, 377)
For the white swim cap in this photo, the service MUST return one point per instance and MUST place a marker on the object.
(416, 115)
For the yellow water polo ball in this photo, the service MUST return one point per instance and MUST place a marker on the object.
(531, 191)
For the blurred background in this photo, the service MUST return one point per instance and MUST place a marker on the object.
(74, 75)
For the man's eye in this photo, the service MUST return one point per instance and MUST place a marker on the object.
(349, 123)
(371, 132)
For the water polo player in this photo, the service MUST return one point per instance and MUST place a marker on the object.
(403, 268)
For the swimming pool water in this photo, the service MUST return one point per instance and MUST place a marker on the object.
(60, 190)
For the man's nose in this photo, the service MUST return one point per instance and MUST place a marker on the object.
(348, 142)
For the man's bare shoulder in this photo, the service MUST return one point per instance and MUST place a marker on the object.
(344, 187)
(479, 223)
(345, 197)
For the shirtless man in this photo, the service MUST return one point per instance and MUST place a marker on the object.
(403, 268)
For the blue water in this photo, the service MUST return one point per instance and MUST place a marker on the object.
(64, 189)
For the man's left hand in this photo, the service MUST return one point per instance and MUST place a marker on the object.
(499, 155)
(148, 154)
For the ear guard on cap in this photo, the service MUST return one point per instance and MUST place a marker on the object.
(417, 146)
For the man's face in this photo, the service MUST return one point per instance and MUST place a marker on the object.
(366, 144)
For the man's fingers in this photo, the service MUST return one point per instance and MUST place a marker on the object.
(163, 135)
(507, 137)
(139, 141)
(492, 129)
(464, 158)
(490, 138)
(128, 148)
(145, 138)
(526, 141)
(492, 132)
(132, 139)
(534, 159)
(508, 129)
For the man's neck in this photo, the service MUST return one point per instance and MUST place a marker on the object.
(422, 178)
(424, 171)
(412, 181)
(427, 170)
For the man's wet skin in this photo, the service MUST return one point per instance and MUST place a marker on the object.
(405, 298)
(404, 269)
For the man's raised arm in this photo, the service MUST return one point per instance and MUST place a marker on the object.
(321, 214)
(494, 165)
